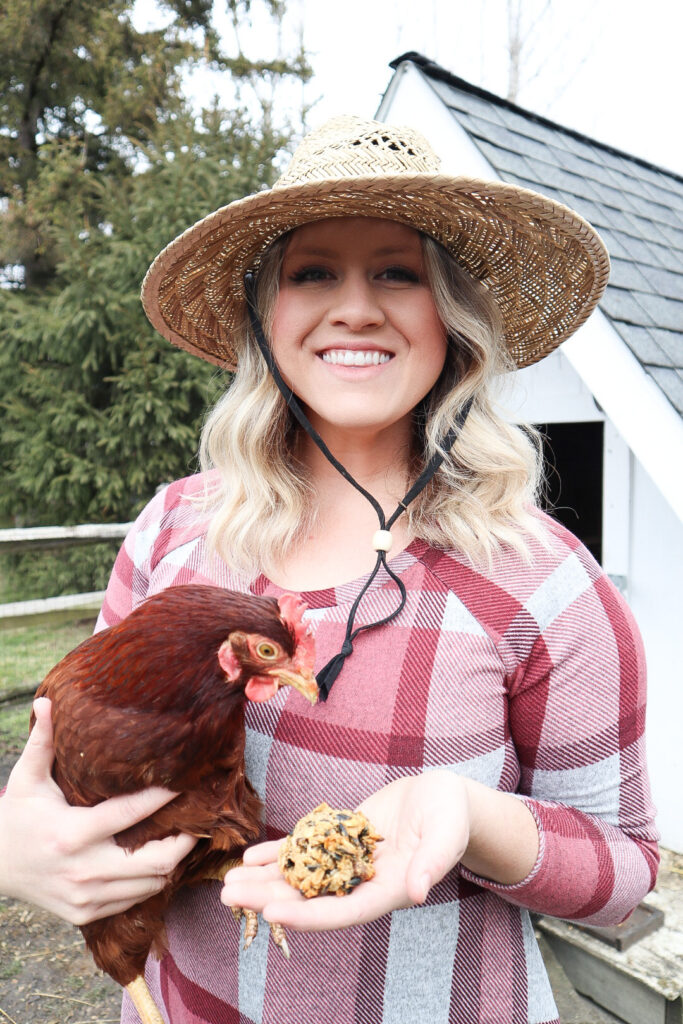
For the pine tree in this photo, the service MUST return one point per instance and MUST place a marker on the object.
(104, 164)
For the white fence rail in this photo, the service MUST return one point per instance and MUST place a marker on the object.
(55, 609)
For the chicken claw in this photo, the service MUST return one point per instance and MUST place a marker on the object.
(279, 938)
(251, 929)
(251, 926)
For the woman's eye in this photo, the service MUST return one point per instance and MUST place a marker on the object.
(266, 651)
(401, 274)
(306, 274)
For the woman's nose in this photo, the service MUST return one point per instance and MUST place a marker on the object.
(356, 305)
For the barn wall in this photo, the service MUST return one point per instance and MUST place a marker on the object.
(655, 597)
(549, 392)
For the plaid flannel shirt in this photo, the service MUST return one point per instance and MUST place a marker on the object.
(527, 677)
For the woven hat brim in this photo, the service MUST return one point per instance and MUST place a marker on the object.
(544, 264)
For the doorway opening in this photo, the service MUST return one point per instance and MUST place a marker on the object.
(573, 455)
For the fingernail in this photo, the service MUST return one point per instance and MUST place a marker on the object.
(425, 886)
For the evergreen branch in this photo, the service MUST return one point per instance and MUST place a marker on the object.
(29, 119)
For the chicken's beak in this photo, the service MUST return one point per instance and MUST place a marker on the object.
(304, 682)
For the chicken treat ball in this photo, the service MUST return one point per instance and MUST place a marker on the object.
(329, 851)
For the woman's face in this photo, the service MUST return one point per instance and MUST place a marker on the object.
(355, 331)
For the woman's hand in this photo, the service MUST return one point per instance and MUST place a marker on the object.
(425, 822)
(64, 858)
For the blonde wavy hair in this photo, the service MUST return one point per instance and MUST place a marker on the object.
(481, 499)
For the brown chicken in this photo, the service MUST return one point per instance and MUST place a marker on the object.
(158, 699)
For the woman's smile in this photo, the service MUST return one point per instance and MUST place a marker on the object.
(356, 333)
(355, 357)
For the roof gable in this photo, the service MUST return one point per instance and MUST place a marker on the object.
(636, 207)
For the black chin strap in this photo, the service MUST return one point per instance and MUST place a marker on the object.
(382, 538)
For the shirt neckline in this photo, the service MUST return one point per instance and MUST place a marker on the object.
(344, 593)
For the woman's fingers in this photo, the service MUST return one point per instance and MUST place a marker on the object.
(155, 860)
(82, 902)
(166, 854)
(120, 812)
(427, 826)
(370, 900)
(442, 842)
(262, 853)
(35, 763)
(259, 874)
(256, 892)
(327, 913)
(124, 879)
(253, 886)
(97, 881)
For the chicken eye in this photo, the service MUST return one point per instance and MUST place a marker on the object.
(267, 651)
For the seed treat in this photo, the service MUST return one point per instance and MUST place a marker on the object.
(329, 851)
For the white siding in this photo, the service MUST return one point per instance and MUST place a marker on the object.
(655, 597)
(549, 392)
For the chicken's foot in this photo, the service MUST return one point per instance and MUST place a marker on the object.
(279, 938)
(143, 1001)
(218, 874)
(251, 926)
(251, 929)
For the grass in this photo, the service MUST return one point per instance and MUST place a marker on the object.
(10, 970)
(14, 727)
(27, 653)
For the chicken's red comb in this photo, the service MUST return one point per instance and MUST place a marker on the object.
(292, 609)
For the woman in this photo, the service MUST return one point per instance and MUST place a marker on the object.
(483, 686)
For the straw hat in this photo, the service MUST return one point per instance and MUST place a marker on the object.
(544, 264)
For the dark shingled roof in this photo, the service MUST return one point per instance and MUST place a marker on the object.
(636, 206)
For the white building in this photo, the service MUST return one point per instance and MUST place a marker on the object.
(611, 398)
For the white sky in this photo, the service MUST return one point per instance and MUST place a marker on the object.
(608, 68)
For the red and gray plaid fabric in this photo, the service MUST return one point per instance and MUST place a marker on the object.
(528, 677)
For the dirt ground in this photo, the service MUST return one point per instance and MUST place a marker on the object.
(46, 974)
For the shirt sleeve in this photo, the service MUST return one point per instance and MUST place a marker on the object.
(129, 580)
(171, 519)
(577, 718)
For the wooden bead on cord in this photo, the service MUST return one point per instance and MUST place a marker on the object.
(382, 540)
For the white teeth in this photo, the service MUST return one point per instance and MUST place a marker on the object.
(347, 357)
